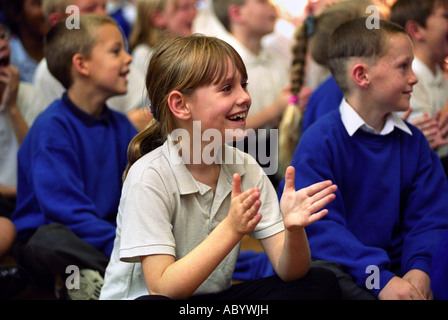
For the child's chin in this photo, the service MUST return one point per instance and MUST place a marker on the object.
(121, 92)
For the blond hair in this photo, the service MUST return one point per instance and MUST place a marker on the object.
(311, 37)
(61, 44)
(182, 64)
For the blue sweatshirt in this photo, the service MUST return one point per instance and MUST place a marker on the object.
(326, 98)
(70, 168)
(439, 270)
(391, 207)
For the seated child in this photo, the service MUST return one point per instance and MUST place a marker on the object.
(156, 20)
(426, 23)
(20, 104)
(71, 163)
(183, 214)
(130, 103)
(390, 209)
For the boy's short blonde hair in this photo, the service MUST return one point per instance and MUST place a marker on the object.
(354, 39)
(61, 44)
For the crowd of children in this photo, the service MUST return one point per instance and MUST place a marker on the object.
(125, 148)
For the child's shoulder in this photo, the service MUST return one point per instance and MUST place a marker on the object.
(327, 125)
(51, 114)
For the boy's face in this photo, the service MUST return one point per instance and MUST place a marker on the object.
(391, 79)
(436, 31)
(259, 16)
(222, 106)
(108, 64)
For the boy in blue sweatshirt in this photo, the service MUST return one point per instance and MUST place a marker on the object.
(71, 162)
(391, 207)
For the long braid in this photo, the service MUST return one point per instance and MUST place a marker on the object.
(289, 127)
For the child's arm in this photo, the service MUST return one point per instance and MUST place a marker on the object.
(9, 78)
(179, 279)
(288, 251)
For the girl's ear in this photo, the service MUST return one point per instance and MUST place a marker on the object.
(178, 105)
(80, 64)
(360, 75)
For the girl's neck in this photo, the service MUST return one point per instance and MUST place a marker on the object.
(203, 170)
(207, 174)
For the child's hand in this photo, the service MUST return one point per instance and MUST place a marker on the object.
(399, 289)
(301, 208)
(9, 78)
(243, 215)
(432, 130)
(421, 281)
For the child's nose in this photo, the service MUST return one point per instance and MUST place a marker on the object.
(245, 98)
(128, 58)
(413, 80)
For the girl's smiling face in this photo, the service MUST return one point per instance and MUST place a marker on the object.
(223, 105)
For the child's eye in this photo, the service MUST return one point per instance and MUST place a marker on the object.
(404, 66)
(226, 88)
(244, 85)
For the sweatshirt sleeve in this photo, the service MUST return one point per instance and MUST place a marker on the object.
(425, 218)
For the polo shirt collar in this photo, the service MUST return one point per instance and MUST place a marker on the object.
(185, 181)
(352, 121)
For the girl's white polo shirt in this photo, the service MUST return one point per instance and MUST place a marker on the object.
(164, 210)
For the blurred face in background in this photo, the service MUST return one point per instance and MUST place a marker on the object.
(32, 17)
(177, 18)
(91, 6)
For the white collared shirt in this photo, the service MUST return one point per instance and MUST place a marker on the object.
(352, 121)
(430, 93)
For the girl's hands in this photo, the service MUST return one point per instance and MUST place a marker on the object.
(301, 208)
(243, 215)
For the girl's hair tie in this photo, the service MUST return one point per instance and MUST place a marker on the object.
(293, 99)
(310, 24)
(153, 111)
